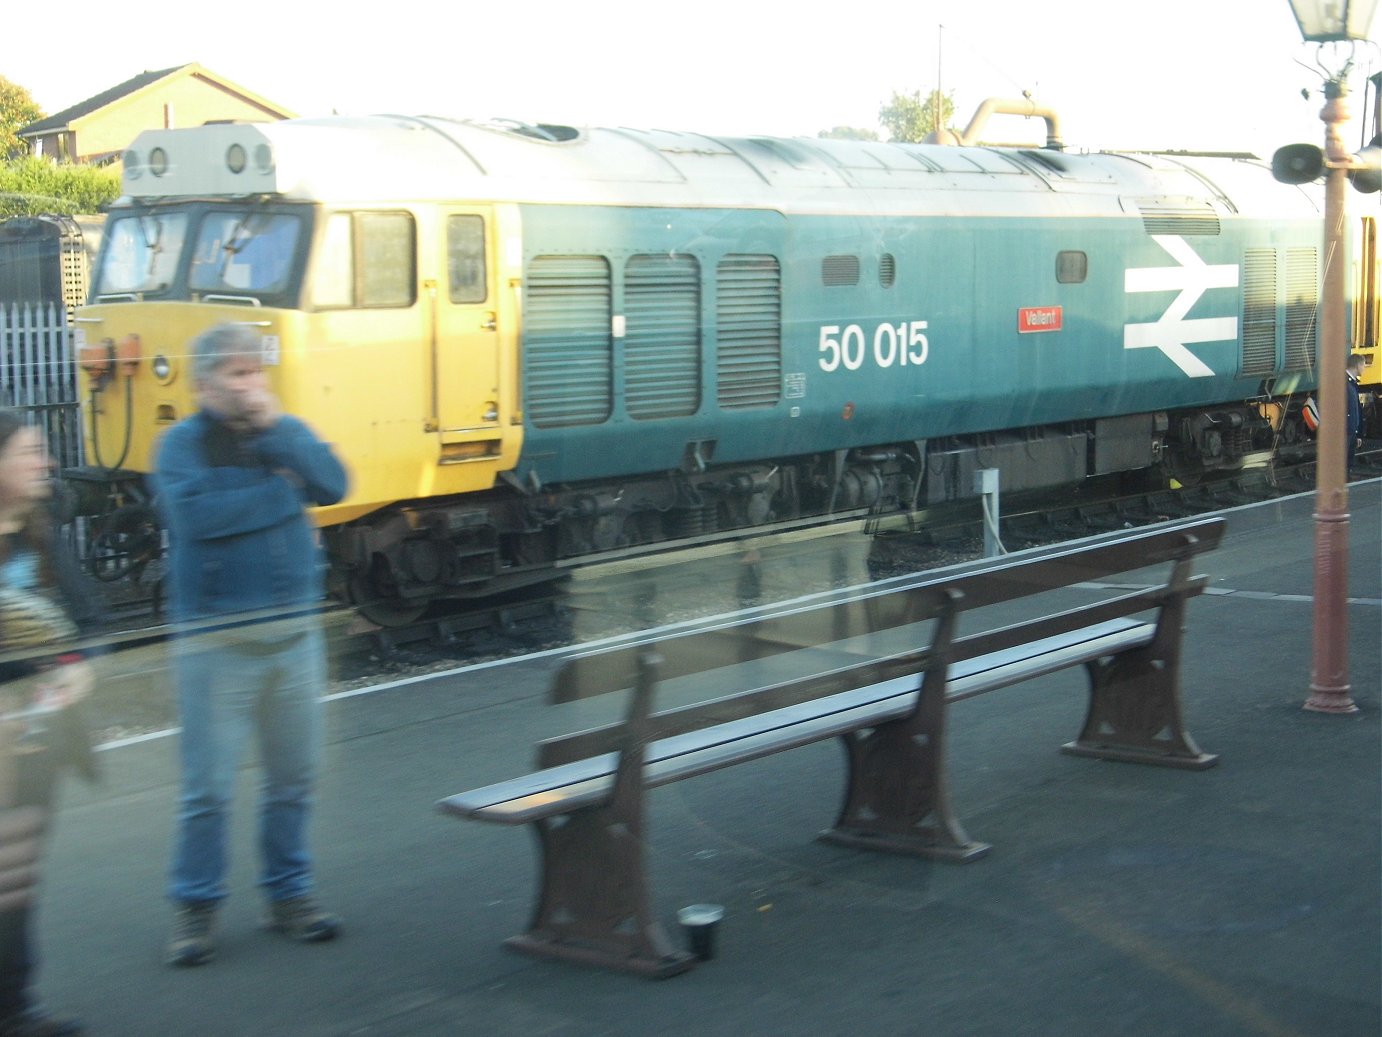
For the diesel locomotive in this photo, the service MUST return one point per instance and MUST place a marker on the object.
(537, 343)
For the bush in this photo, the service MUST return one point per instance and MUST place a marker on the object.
(30, 186)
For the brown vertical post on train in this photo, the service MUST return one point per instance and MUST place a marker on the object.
(1340, 22)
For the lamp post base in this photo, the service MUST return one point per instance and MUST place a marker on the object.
(1330, 701)
(1329, 683)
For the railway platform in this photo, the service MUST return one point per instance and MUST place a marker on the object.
(1242, 900)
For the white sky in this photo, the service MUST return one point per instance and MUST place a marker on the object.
(1194, 74)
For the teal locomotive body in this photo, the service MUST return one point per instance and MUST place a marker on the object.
(1080, 289)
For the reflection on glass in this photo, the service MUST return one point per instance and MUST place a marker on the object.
(142, 254)
(244, 252)
(232, 251)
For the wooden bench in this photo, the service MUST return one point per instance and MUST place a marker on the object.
(586, 796)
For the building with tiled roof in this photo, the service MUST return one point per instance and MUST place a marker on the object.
(99, 129)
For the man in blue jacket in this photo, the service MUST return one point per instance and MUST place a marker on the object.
(245, 580)
(1353, 409)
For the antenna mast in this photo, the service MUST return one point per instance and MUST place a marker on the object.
(939, 107)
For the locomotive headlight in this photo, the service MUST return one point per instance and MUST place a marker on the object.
(158, 162)
(132, 167)
(162, 368)
(235, 158)
(264, 158)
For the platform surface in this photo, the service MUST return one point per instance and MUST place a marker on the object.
(1243, 900)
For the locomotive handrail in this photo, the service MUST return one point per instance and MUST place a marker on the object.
(251, 300)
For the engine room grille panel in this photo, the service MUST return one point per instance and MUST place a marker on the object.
(748, 331)
(662, 344)
(1179, 219)
(568, 345)
(1259, 311)
(1302, 307)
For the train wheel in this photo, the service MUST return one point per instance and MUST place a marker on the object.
(385, 612)
(124, 542)
(375, 600)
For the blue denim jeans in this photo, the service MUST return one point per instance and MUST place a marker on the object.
(225, 690)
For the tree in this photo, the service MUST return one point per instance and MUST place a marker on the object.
(908, 118)
(848, 133)
(17, 110)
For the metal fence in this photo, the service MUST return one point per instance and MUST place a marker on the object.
(38, 375)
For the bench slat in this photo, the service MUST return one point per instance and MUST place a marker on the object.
(897, 691)
(727, 709)
(1082, 617)
(974, 676)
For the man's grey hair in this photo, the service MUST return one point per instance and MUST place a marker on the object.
(214, 347)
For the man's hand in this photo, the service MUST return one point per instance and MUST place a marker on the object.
(254, 410)
(262, 410)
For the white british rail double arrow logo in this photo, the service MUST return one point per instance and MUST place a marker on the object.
(1172, 332)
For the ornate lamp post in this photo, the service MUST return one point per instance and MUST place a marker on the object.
(1332, 21)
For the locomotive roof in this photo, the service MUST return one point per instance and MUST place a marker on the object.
(368, 159)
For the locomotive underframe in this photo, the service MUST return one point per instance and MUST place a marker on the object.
(395, 562)
(416, 553)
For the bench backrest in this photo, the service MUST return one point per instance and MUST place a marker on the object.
(643, 724)
(1090, 563)
(902, 602)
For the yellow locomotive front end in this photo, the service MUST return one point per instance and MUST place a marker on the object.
(387, 322)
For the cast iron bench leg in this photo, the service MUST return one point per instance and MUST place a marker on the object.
(593, 905)
(1134, 698)
(897, 799)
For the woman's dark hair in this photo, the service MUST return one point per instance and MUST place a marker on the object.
(36, 533)
(11, 421)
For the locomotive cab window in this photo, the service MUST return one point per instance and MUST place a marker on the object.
(141, 253)
(366, 260)
(244, 252)
(465, 258)
(1072, 267)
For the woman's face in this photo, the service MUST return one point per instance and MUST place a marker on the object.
(25, 468)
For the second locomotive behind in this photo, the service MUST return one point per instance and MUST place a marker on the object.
(538, 343)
